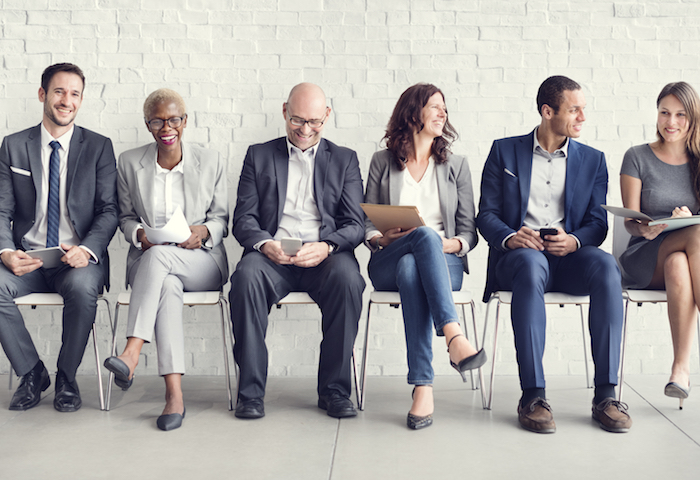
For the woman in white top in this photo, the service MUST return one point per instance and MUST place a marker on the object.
(157, 181)
(424, 264)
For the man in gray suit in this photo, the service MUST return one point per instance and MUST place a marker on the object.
(305, 187)
(57, 188)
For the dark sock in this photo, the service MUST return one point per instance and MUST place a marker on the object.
(604, 391)
(530, 394)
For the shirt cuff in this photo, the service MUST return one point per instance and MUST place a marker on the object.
(369, 236)
(135, 236)
(465, 246)
(505, 240)
(259, 245)
(93, 257)
(578, 242)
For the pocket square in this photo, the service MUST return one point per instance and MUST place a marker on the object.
(21, 171)
(510, 173)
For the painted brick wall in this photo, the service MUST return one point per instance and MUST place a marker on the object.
(234, 61)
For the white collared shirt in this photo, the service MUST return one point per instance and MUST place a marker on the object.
(36, 236)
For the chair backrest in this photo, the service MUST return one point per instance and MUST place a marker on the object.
(621, 237)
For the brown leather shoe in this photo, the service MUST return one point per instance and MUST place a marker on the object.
(536, 416)
(612, 415)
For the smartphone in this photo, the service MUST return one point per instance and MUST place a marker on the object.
(290, 245)
(548, 231)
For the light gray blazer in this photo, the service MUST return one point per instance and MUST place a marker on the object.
(455, 194)
(206, 197)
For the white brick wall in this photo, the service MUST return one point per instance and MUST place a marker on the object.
(234, 61)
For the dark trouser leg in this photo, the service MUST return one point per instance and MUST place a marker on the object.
(336, 285)
(79, 288)
(256, 285)
(526, 272)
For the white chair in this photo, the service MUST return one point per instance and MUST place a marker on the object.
(550, 298)
(303, 298)
(34, 300)
(462, 298)
(621, 238)
(190, 299)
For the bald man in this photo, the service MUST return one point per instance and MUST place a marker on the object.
(304, 187)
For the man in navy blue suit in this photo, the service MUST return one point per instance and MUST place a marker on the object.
(300, 186)
(548, 180)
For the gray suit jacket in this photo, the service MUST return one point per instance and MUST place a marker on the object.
(206, 197)
(262, 190)
(91, 197)
(455, 194)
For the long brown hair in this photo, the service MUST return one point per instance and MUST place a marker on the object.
(691, 104)
(405, 120)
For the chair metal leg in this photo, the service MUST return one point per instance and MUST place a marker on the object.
(495, 346)
(355, 375)
(97, 354)
(223, 305)
(585, 348)
(110, 380)
(363, 383)
(12, 372)
(622, 353)
(476, 345)
(466, 335)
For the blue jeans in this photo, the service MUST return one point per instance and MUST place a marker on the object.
(424, 277)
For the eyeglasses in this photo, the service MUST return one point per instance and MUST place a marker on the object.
(157, 123)
(300, 122)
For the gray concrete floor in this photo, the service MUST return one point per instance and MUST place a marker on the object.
(296, 440)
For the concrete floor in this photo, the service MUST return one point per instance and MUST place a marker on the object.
(296, 440)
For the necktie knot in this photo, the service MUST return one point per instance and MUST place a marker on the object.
(55, 145)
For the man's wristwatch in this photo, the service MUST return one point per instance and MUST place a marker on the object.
(332, 247)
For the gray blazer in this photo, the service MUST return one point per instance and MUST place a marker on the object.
(206, 197)
(454, 193)
(91, 198)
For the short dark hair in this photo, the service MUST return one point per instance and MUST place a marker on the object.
(405, 119)
(60, 67)
(551, 92)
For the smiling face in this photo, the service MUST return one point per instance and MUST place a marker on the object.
(61, 102)
(306, 102)
(568, 121)
(167, 137)
(433, 116)
(672, 120)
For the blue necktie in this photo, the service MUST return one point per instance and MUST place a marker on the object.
(53, 211)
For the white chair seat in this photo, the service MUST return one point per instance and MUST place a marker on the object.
(646, 296)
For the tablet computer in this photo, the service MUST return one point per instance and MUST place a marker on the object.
(385, 217)
(50, 256)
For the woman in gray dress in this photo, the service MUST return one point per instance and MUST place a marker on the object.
(662, 179)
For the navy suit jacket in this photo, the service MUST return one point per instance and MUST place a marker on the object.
(91, 189)
(505, 190)
(262, 190)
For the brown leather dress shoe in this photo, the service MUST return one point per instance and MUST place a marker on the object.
(612, 415)
(536, 416)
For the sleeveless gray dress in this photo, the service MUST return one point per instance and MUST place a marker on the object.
(664, 187)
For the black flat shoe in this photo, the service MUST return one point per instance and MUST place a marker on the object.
(67, 394)
(416, 422)
(470, 363)
(28, 394)
(250, 409)
(121, 372)
(674, 390)
(171, 421)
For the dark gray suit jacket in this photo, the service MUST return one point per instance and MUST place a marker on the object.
(91, 189)
(262, 190)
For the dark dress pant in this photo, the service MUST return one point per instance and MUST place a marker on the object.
(336, 285)
(529, 274)
(79, 288)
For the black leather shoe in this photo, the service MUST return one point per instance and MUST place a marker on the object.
(171, 421)
(30, 387)
(121, 372)
(67, 394)
(250, 409)
(337, 406)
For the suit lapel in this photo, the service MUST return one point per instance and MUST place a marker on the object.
(145, 176)
(34, 156)
(441, 173)
(192, 172)
(281, 162)
(320, 169)
(395, 178)
(523, 157)
(573, 165)
(74, 157)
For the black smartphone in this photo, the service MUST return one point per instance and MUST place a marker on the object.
(548, 231)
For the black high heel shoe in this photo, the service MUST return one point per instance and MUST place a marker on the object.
(470, 363)
(416, 422)
(674, 390)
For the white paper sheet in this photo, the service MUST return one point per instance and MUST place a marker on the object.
(175, 231)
